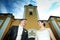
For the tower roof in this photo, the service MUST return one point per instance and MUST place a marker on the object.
(30, 5)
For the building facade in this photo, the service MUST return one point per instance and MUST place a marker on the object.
(31, 14)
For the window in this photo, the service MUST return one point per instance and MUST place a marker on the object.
(30, 13)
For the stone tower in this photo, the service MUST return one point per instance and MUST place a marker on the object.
(30, 13)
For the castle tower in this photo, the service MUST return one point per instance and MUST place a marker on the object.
(30, 13)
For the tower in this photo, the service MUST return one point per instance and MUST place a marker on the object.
(30, 13)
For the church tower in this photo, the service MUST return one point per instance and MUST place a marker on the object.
(30, 13)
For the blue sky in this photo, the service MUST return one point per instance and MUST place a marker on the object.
(45, 8)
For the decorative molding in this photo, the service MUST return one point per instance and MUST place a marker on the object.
(1, 21)
(58, 24)
(52, 19)
(56, 27)
(4, 26)
(58, 18)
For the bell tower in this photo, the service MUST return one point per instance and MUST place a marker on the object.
(30, 13)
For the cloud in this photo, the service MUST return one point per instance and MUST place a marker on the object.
(33, 2)
(15, 6)
(18, 8)
(46, 8)
(54, 6)
(3, 8)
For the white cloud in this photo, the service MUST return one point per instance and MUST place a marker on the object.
(18, 10)
(55, 12)
(45, 5)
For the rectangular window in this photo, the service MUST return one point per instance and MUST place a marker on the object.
(30, 13)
